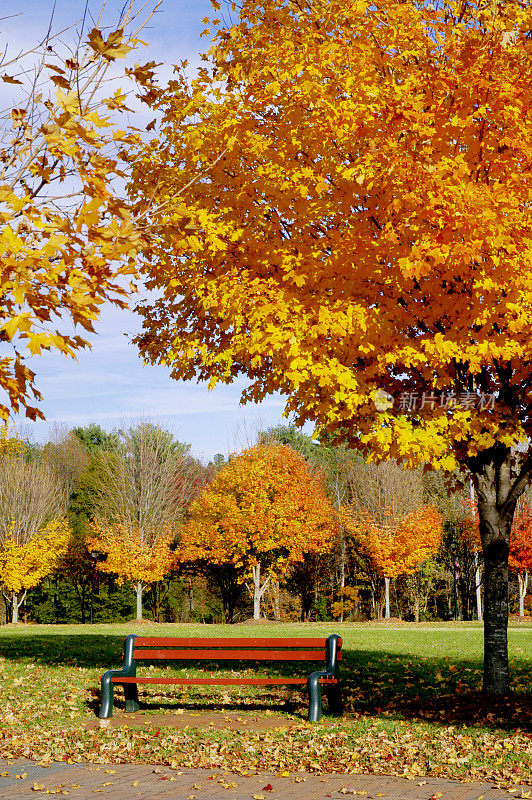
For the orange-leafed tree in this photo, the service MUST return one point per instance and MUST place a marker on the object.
(263, 511)
(364, 243)
(390, 521)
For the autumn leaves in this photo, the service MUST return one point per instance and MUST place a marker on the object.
(34, 531)
(264, 512)
(66, 234)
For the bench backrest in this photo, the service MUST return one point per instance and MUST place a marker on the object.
(265, 649)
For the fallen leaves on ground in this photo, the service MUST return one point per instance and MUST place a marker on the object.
(407, 716)
(351, 746)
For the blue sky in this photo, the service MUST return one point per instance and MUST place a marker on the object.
(109, 385)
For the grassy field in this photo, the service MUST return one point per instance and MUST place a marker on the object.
(412, 700)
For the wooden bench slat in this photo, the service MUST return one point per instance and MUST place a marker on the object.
(232, 655)
(243, 642)
(222, 681)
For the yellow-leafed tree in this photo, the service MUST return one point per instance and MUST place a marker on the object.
(34, 532)
(363, 245)
(263, 511)
(24, 565)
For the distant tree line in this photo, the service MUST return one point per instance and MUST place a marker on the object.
(106, 526)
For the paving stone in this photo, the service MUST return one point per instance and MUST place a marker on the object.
(131, 781)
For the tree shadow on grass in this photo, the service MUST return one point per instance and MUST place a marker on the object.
(81, 650)
(436, 690)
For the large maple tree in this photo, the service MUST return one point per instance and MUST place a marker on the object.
(366, 232)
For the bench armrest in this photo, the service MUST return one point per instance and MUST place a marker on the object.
(314, 690)
(127, 670)
(331, 650)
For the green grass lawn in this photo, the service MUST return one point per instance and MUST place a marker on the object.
(412, 700)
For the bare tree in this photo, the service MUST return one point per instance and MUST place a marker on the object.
(66, 456)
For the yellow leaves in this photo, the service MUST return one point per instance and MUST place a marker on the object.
(111, 48)
(20, 323)
(23, 566)
(89, 213)
(130, 555)
(68, 102)
(47, 232)
(11, 242)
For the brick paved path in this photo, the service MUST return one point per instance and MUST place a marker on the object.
(21, 779)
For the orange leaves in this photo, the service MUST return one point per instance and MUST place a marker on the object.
(129, 555)
(371, 197)
(520, 559)
(399, 549)
(263, 507)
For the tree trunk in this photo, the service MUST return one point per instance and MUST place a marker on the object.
(276, 600)
(386, 598)
(522, 580)
(15, 607)
(258, 590)
(498, 487)
(341, 582)
(16, 604)
(496, 670)
(139, 589)
(191, 599)
(478, 588)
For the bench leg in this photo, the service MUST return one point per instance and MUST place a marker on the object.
(334, 696)
(131, 694)
(106, 708)
(314, 690)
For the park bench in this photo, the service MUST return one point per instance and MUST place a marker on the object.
(141, 648)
